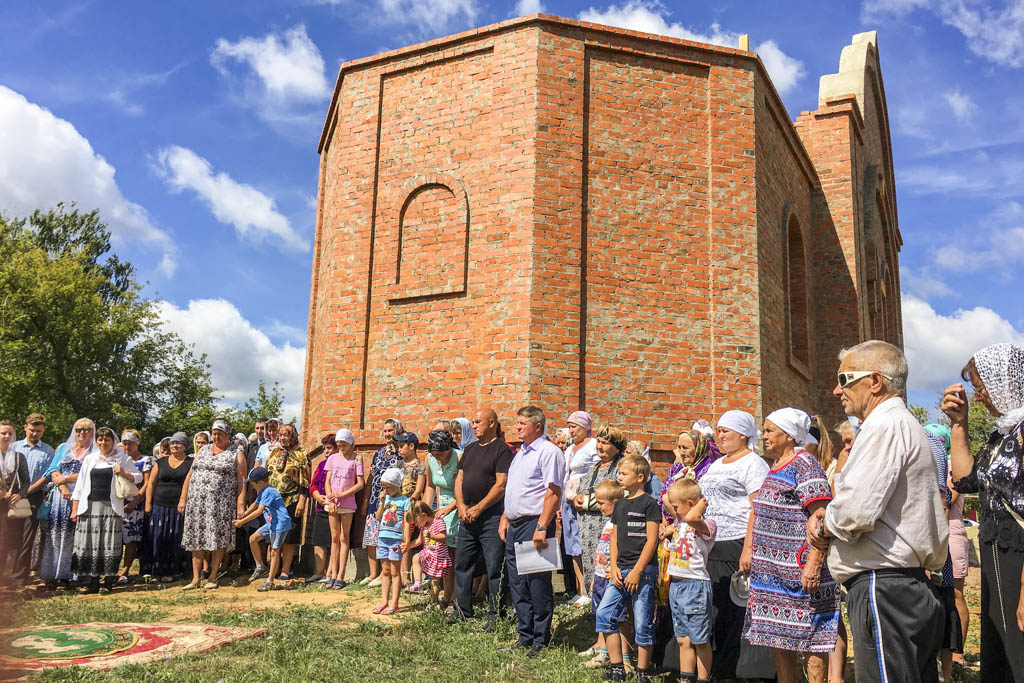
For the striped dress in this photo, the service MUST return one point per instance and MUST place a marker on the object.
(779, 613)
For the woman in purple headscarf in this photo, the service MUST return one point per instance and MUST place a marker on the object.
(580, 458)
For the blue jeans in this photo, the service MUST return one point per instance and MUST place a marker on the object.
(616, 601)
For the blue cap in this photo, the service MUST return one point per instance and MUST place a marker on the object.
(259, 474)
(407, 437)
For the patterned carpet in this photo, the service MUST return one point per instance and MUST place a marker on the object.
(105, 646)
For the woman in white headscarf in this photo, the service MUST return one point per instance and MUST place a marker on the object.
(996, 474)
(59, 542)
(465, 435)
(98, 512)
(794, 602)
(212, 497)
(729, 485)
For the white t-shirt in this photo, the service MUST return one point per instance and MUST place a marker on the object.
(728, 488)
(578, 465)
(688, 551)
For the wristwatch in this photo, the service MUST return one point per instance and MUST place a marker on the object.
(541, 527)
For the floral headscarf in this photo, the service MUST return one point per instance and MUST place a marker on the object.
(1001, 369)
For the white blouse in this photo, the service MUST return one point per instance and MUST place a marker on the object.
(95, 461)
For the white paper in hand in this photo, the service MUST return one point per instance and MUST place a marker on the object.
(529, 561)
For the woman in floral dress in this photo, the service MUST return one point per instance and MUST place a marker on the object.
(794, 602)
(386, 456)
(212, 498)
(289, 472)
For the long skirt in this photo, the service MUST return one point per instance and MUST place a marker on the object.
(59, 544)
(163, 541)
(570, 530)
(733, 657)
(98, 541)
(1002, 643)
(590, 526)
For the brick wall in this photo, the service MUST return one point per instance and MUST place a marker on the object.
(555, 212)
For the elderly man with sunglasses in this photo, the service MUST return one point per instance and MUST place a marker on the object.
(886, 524)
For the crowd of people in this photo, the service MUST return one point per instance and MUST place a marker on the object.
(733, 565)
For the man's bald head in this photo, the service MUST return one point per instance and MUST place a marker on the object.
(485, 425)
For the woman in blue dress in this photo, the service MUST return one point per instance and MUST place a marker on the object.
(59, 543)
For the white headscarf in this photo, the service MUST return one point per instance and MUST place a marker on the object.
(794, 422)
(468, 435)
(89, 447)
(742, 423)
(1001, 369)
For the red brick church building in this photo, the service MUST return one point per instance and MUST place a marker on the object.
(554, 212)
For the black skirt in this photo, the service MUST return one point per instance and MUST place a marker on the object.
(321, 536)
(1002, 643)
(733, 657)
(167, 557)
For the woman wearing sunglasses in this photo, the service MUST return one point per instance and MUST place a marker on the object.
(995, 472)
(59, 542)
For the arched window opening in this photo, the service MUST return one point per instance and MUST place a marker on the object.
(796, 294)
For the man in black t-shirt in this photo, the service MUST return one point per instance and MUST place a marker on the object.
(479, 495)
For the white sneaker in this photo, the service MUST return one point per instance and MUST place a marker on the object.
(374, 583)
(581, 601)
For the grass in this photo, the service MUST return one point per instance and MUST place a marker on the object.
(317, 644)
(326, 643)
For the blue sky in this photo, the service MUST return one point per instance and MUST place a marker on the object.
(193, 127)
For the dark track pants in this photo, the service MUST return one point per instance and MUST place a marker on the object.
(897, 622)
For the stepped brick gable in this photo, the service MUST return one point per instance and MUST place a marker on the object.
(554, 212)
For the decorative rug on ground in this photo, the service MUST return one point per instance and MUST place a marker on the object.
(105, 646)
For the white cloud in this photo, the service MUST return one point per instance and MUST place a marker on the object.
(650, 16)
(922, 284)
(45, 160)
(288, 66)
(995, 245)
(524, 7)
(995, 33)
(428, 18)
(252, 213)
(994, 176)
(785, 71)
(912, 120)
(938, 346)
(240, 355)
(962, 105)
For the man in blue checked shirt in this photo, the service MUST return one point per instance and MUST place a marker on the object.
(39, 455)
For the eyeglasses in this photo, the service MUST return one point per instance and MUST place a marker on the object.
(83, 430)
(847, 378)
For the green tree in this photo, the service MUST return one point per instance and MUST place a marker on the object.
(266, 403)
(980, 424)
(76, 337)
(920, 412)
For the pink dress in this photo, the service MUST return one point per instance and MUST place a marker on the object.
(342, 473)
(958, 551)
(435, 558)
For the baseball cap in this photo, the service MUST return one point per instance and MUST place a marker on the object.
(259, 474)
(408, 437)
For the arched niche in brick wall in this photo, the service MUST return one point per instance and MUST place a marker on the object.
(432, 256)
(798, 312)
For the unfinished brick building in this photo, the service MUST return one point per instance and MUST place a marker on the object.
(554, 212)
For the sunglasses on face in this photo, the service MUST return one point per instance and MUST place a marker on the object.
(83, 430)
(848, 378)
